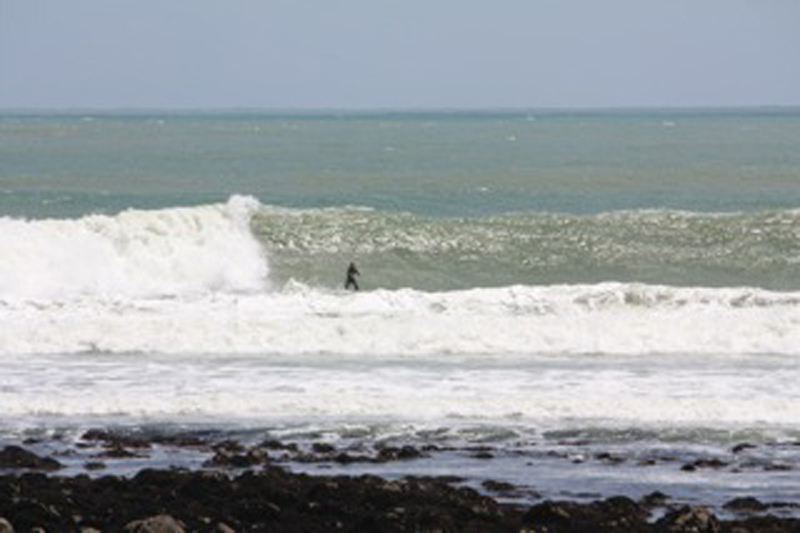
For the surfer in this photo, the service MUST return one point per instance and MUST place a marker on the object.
(351, 282)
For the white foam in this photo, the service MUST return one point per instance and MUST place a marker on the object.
(619, 319)
(544, 393)
(133, 254)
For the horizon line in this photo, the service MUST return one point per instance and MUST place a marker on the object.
(311, 110)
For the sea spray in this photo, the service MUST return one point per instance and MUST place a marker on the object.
(158, 253)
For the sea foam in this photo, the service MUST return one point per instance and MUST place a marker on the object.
(135, 253)
(609, 318)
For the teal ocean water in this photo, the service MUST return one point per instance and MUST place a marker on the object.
(552, 284)
(446, 200)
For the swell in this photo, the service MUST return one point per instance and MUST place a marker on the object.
(397, 249)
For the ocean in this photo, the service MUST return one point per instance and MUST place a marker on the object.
(578, 302)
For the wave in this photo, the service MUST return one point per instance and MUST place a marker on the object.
(242, 245)
(136, 253)
(240, 277)
(609, 318)
(400, 249)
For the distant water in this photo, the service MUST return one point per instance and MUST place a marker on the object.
(625, 280)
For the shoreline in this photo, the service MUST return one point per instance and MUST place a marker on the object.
(250, 488)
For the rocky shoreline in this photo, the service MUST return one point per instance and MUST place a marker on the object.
(242, 488)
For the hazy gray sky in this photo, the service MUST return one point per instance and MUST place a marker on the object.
(398, 53)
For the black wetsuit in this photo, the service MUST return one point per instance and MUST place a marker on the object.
(351, 282)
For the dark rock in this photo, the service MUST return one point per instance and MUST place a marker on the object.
(346, 459)
(115, 440)
(609, 458)
(155, 524)
(117, 451)
(764, 524)
(94, 465)
(614, 515)
(655, 499)
(748, 504)
(96, 434)
(180, 441)
(742, 447)
(229, 446)
(498, 486)
(482, 455)
(27, 514)
(16, 457)
(408, 452)
(689, 519)
(272, 499)
(777, 467)
(278, 445)
(704, 463)
(391, 453)
(323, 447)
(227, 457)
(784, 505)
(710, 463)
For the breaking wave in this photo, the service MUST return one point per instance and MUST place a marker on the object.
(159, 253)
(610, 318)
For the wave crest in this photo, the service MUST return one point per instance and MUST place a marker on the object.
(135, 253)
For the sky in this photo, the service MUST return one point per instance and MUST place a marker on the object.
(398, 54)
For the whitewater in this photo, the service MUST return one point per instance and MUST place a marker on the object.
(196, 280)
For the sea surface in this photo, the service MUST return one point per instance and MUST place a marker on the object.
(593, 299)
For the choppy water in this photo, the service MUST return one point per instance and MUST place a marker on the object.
(549, 284)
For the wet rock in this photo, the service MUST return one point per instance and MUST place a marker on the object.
(232, 457)
(180, 441)
(273, 499)
(404, 453)
(609, 458)
(777, 467)
(747, 504)
(655, 499)
(614, 515)
(28, 514)
(739, 448)
(229, 446)
(96, 434)
(115, 440)
(117, 451)
(689, 519)
(322, 448)
(704, 463)
(94, 465)
(278, 445)
(498, 486)
(155, 524)
(764, 524)
(784, 505)
(482, 454)
(16, 457)
(346, 458)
